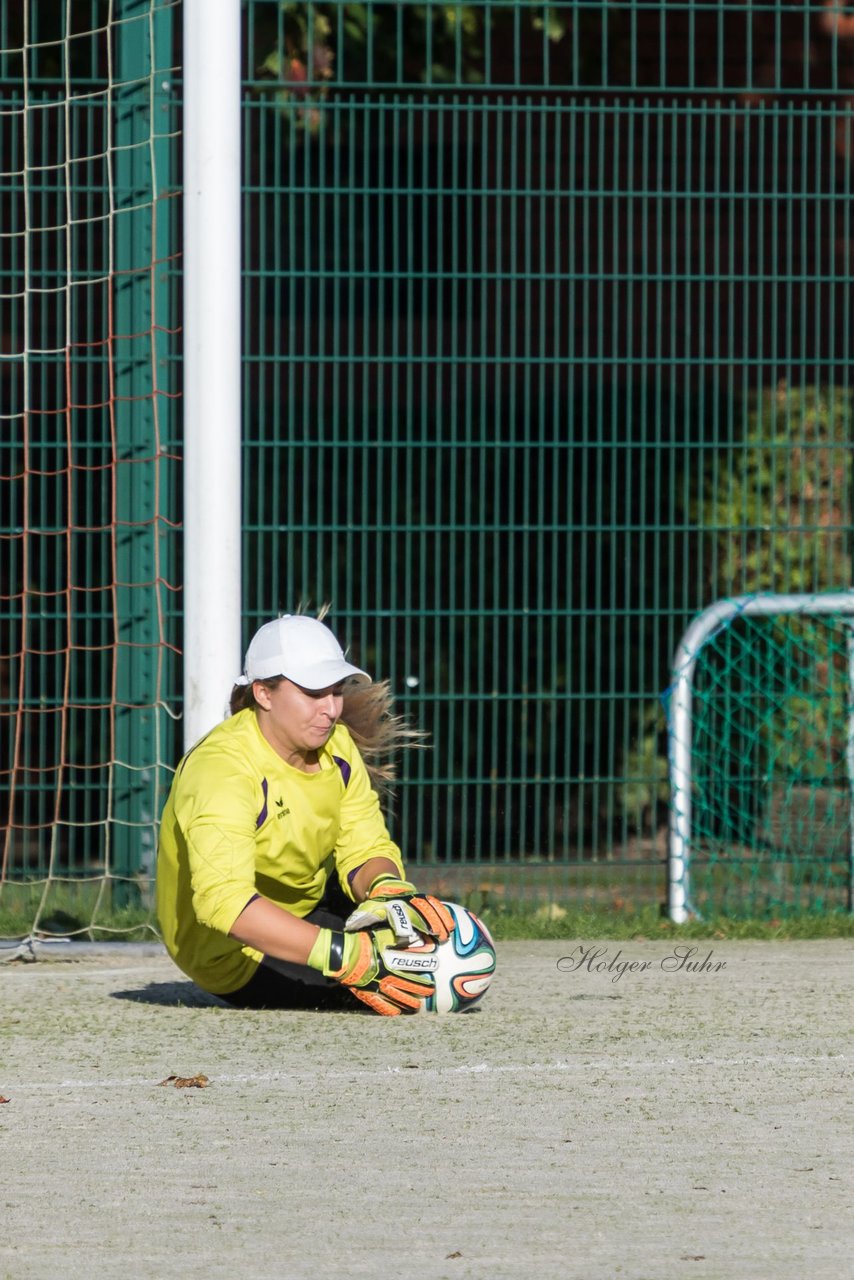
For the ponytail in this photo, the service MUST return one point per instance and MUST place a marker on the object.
(378, 732)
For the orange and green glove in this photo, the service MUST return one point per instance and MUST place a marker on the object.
(398, 905)
(390, 981)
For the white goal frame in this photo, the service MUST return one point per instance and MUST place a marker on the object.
(704, 627)
(212, 361)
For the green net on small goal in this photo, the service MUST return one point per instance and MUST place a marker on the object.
(762, 756)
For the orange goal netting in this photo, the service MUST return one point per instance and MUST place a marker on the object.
(89, 469)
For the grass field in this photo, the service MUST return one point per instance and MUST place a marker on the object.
(605, 1112)
(544, 909)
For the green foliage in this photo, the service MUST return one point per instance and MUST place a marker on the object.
(777, 502)
(316, 45)
(644, 793)
(776, 505)
(772, 512)
(806, 736)
(551, 21)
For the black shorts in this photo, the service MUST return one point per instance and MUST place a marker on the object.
(281, 984)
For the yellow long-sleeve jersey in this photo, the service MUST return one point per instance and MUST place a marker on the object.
(239, 822)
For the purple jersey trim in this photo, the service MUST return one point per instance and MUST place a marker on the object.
(344, 766)
(262, 816)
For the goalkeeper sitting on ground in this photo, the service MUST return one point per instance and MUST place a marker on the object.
(278, 885)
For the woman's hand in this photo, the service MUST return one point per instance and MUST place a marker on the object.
(389, 981)
(398, 905)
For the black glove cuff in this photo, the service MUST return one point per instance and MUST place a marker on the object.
(336, 951)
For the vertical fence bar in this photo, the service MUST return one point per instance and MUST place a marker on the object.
(849, 756)
(141, 162)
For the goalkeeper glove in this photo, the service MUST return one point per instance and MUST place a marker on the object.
(390, 982)
(398, 905)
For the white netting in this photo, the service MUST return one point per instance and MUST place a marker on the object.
(88, 479)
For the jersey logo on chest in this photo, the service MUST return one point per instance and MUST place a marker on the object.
(282, 809)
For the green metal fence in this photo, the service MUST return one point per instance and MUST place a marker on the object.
(517, 281)
(547, 334)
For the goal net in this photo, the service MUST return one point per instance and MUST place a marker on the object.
(762, 759)
(88, 466)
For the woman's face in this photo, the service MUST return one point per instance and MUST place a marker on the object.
(297, 722)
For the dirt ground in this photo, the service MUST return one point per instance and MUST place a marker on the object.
(606, 1112)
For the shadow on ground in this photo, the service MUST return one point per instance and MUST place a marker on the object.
(184, 995)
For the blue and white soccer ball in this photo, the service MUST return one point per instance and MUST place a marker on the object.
(466, 963)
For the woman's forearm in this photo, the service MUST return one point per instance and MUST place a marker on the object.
(276, 932)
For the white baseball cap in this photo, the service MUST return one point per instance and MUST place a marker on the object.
(301, 649)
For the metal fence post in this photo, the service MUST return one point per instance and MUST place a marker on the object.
(139, 241)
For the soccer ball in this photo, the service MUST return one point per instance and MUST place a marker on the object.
(466, 963)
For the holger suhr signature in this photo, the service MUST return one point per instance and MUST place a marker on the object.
(684, 958)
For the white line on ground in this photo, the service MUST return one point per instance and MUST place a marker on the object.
(517, 1068)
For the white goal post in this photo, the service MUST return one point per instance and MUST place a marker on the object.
(680, 703)
(212, 361)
